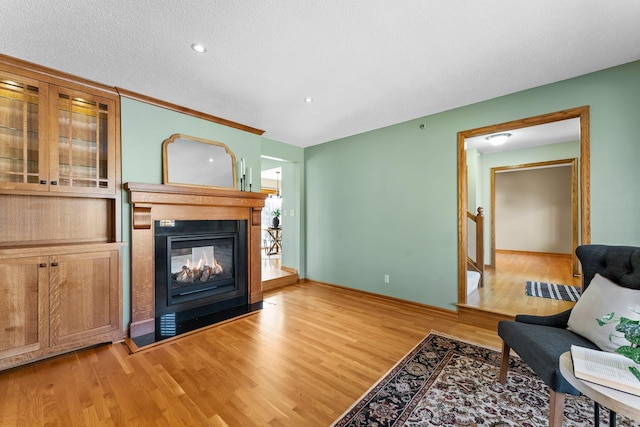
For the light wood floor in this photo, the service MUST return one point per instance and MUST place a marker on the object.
(271, 269)
(275, 276)
(504, 286)
(301, 361)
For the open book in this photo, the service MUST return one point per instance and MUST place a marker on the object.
(608, 369)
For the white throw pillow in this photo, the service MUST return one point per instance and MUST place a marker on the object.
(601, 299)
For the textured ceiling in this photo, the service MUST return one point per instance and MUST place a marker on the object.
(367, 64)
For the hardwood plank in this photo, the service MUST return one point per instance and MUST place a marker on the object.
(504, 286)
(302, 360)
(274, 275)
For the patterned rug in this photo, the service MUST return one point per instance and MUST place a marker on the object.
(447, 382)
(553, 291)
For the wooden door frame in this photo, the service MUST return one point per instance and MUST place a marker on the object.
(585, 188)
(573, 163)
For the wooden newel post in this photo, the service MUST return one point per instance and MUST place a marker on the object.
(480, 240)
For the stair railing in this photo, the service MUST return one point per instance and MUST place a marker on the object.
(478, 263)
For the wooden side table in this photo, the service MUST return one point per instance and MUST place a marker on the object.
(617, 401)
(276, 240)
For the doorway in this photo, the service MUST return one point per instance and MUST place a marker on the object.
(276, 221)
(271, 220)
(534, 208)
(582, 115)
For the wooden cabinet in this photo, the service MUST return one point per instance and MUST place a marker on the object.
(23, 128)
(24, 284)
(82, 157)
(55, 138)
(57, 302)
(83, 300)
(60, 232)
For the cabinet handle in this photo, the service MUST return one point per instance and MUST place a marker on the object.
(54, 264)
(43, 181)
(43, 265)
(54, 182)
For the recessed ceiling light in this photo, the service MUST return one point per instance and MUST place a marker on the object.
(199, 47)
(308, 99)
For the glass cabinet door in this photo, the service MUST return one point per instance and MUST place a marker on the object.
(22, 128)
(82, 157)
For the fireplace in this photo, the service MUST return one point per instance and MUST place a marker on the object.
(215, 235)
(200, 264)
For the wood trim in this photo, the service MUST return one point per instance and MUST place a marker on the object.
(156, 192)
(571, 113)
(575, 235)
(478, 263)
(585, 184)
(184, 110)
(585, 176)
(141, 216)
(50, 75)
(462, 220)
(45, 250)
(279, 282)
(481, 318)
(117, 214)
(492, 225)
(510, 251)
(256, 217)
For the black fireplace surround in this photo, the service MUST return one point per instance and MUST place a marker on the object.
(200, 275)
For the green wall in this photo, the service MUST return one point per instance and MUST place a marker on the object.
(385, 201)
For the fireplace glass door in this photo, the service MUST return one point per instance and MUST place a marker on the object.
(200, 265)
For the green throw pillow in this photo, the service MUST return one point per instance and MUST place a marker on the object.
(604, 299)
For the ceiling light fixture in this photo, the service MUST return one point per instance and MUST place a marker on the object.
(199, 47)
(308, 99)
(498, 139)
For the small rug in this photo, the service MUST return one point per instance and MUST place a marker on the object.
(553, 291)
(444, 381)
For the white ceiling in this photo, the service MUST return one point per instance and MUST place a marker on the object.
(367, 64)
(274, 174)
(532, 136)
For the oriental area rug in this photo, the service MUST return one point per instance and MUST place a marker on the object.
(444, 381)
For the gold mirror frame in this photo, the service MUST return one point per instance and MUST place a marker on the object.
(585, 187)
(192, 161)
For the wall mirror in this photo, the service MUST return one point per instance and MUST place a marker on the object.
(187, 160)
(581, 233)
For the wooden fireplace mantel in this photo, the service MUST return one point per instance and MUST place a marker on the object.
(152, 202)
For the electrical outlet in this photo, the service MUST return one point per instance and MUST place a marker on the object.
(386, 278)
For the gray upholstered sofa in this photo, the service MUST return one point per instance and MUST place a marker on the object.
(540, 340)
